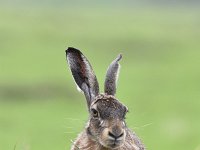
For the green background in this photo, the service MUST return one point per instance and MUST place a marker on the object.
(159, 81)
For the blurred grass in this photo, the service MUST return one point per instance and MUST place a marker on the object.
(159, 81)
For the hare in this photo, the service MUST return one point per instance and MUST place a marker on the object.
(106, 128)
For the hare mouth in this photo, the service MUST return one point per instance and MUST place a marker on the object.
(114, 144)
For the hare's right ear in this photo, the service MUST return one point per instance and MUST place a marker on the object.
(83, 74)
(110, 84)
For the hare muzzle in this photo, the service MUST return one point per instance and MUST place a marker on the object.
(113, 137)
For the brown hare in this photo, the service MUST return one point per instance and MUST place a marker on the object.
(106, 128)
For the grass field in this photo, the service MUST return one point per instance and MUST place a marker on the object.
(40, 108)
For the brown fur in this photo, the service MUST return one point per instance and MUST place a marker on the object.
(113, 111)
(106, 128)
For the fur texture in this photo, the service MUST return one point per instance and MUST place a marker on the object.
(106, 128)
(84, 142)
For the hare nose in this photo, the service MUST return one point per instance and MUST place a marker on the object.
(115, 136)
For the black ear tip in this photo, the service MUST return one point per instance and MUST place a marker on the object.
(72, 50)
(119, 57)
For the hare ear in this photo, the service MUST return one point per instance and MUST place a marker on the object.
(112, 76)
(83, 74)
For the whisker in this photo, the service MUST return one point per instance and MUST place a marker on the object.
(68, 127)
(73, 119)
(70, 132)
(146, 125)
(143, 126)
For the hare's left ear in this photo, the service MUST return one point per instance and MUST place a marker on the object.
(83, 74)
(112, 76)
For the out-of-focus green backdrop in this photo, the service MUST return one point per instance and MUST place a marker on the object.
(40, 107)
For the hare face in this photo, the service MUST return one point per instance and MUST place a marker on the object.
(107, 124)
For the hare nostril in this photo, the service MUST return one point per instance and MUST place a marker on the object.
(121, 134)
(111, 135)
(115, 136)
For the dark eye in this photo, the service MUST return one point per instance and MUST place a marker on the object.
(95, 113)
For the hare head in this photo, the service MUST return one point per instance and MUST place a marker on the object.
(106, 124)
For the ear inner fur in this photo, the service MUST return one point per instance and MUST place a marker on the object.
(83, 74)
(112, 76)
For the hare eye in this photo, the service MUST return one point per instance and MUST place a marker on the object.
(94, 113)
